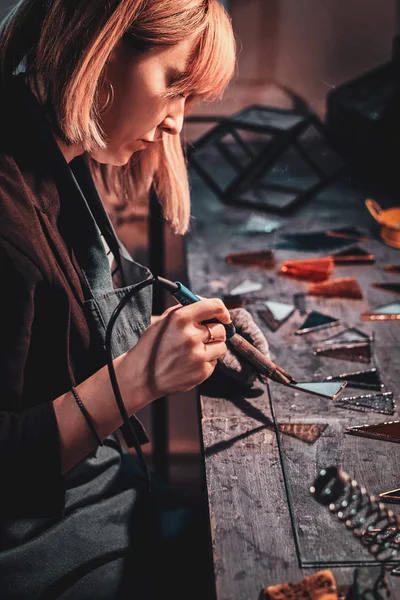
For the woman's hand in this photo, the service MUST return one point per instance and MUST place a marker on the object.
(174, 354)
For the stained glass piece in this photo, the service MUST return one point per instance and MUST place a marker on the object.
(345, 287)
(353, 255)
(258, 224)
(387, 312)
(391, 286)
(396, 572)
(391, 496)
(263, 259)
(275, 313)
(381, 403)
(392, 268)
(323, 389)
(316, 321)
(351, 334)
(310, 241)
(355, 352)
(317, 269)
(306, 432)
(368, 379)
(246, 287)
(388, 431)
(351, 233)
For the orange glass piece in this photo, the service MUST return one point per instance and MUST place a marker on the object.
(263, 260)
(392, 269)
(345, 287)
(353, 256)
(306, 432)
(313, 269)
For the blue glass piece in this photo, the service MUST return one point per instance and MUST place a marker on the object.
(316, 321)
(351, 334)
(275, 313)
(323, 389)
(310, 241)
(245, 287)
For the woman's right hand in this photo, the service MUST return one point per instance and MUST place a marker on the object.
(172, 354)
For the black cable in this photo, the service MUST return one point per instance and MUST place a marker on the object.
(130, 432)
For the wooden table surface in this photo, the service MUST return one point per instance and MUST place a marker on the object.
(266, 527)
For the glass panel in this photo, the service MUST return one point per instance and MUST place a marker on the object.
(353, 255)
(216, 167)
(345, 287)
(381, 403)
(316, 321)
(245, 287)
(392, 287)
(320, 388)
(368, 379)
(317, 269)
(274, 199)
(358, 352)
(267, 118)
(315, 145)
(289, 171)
(310, 241)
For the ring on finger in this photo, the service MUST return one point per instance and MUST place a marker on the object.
(210, 337)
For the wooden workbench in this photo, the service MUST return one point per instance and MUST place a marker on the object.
(266, 528)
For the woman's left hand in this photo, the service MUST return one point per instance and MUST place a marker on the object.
(233, 364)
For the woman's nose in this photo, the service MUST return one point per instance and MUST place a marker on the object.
(173, 122)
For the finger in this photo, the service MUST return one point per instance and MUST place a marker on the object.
(212, 332)
(210, 308)
(214, 351)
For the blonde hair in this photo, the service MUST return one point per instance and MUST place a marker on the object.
(66, 45)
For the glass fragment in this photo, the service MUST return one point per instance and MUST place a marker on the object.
(368, 379)
(316, 321)
(391, 286)
(263, 259)
(258, 224)
(310, 241)
(353, 255)
(351, 334)
(345, 287)
(355, 352)
(387, 312)
(392, 268)
(317, 269)
(388, 431)
(351, 233)
(306, 432)
(275, 313)
(381, 403)
(391, 496)
(246, 287)
(323, 389)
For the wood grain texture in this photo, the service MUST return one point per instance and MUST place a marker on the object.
(266, 528)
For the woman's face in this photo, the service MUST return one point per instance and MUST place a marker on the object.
(140, 113)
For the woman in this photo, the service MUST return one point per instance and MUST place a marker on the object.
(92, 91)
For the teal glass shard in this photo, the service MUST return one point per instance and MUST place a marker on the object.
(323, 389)
(387, 312)
(392, 287)
(354, 352)
(258, 224)
(275, 313)
(316, 321)
(310, 241)
(351, 334)
(391, 496)
(381, 403)
(246, 287)
(369, 379)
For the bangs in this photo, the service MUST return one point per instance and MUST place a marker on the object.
(212, 62)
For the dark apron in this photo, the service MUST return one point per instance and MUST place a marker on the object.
(91, 552)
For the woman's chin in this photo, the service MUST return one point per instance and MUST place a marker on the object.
(112, 158)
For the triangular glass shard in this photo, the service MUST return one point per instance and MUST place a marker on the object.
(275, 313)
(264, 259)
(310, 241)
(386, 432)
(350, 233)
(396, 572)
(246, 287)
(387, 312)
(316, 321)
(354, 352)
(345, 287)
(317, 269)
(353, 255)
(306, 432)
(351, 334)
(391, 496)
(381, 403)
(323, 389)
(368, 379)
(392, 268)
(391, 286)
(258, 224)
